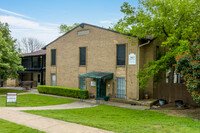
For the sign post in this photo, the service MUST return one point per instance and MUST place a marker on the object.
(11, 98)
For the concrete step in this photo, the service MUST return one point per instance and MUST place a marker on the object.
(142, 102)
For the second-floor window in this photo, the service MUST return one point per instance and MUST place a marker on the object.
(121, 54)
(53, 57)
(82, 56)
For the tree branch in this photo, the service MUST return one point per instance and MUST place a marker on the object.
(163, 27)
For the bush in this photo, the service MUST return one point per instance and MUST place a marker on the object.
(62, 91)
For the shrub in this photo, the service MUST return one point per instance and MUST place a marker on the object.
(62, 91)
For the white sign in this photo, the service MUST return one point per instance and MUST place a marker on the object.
(11, 98)
(132, 59)
(93, 83)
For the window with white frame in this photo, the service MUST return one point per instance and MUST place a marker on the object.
(121, 87)
(53, 79)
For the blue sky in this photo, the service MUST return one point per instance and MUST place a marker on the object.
(41, 18)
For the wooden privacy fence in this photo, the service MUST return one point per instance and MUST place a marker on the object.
(172, 92)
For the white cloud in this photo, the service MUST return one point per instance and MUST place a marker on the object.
(45, 36)
(21, 23)
(105, 22)
(20, 27)
(13, 13)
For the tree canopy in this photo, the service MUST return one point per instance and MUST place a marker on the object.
(10, 61)
(176, 22)
(188, 64)
(63, 28)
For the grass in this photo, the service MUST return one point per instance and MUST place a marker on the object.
(10, 127)
(124, 120)
(31, 100)
(5, 91)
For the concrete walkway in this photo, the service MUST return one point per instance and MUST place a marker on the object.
(73, 105)
(48, 125)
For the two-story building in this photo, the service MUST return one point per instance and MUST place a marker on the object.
(100, 60)
(104, 62)
(34, 64)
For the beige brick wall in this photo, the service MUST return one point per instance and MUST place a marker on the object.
(101, 57)
(11, 82)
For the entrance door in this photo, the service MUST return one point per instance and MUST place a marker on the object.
(101, 88)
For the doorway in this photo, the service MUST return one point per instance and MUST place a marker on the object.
(101, 88)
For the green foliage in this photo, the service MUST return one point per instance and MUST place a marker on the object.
(188, 64)
(122, 120)
(10, 61)
(175, 22)
(62, 91)
(64, 28)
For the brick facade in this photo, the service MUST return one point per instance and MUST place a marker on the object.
(101, 53)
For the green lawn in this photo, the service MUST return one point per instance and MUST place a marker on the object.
(30, 100)
(124, 120)
(10, 127)
(5, 91)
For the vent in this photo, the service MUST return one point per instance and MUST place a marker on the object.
(83, 32)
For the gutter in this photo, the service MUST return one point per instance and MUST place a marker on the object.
(138, 86)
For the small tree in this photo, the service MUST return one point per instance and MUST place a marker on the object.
(188, 64)
(10, 61)
(64, 28)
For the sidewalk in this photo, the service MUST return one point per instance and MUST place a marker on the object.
(48, 125)
(74, 105)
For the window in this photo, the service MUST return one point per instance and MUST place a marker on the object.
(53, 79)
(82, 83)
(83, 56)
(36, 63)
(26, 62)
(53, 57)
(121, 54)
(121, 87)
(173, 77)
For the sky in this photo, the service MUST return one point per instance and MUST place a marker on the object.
(41, 18)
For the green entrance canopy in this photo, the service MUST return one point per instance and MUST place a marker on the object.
(97, 75)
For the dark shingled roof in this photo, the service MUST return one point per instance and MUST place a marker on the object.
(149, 38)
(82, 25)
(39, 52)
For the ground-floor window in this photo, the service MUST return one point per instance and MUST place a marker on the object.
(53, 79)
(173, 77)
(121, 87)
(82, 84)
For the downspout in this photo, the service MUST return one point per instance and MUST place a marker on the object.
(138, 86)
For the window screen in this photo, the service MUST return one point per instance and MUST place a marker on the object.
(53, 79)
(121, 54)
(53, 57)
(82, 56)
(121, 88)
